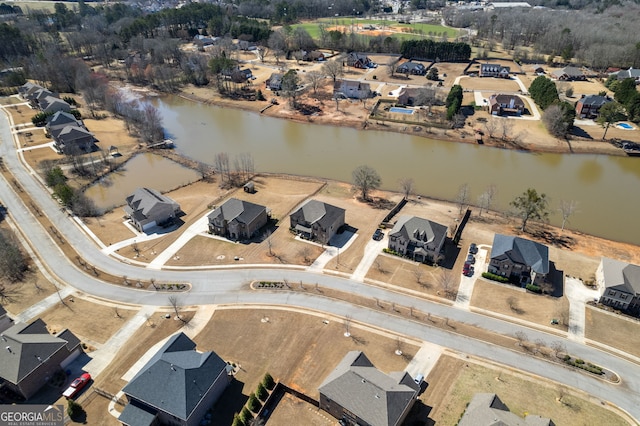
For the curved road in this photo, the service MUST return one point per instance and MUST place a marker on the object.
(229, 287)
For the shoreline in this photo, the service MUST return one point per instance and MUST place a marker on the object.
(574, 146)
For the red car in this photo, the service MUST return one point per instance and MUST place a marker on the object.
(77, 385)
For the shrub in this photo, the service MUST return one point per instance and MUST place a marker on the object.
(579, 361)
(73, 409)
(40, 119)
(246, 416)
(254, 404)
(566, 358)
(268, 381)
(260, 96)
(393, 252)
(261, 392)
(533, 288)
(237, 421)
(494, 277)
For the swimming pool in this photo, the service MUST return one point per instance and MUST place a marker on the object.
(401, 110)
(624, 126)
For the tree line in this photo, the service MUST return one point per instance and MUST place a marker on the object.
(557, 116)
(435, 50)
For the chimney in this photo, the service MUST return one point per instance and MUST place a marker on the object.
(9, 349)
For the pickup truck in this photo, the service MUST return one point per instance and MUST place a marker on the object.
(77, 385)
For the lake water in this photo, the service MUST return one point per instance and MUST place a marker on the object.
(605, 187)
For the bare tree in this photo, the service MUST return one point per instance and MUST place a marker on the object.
(486, 198)
(173, 301)
(491, 126)
(462, 199)
(9, 295)
(418, 274)
(406, 184)
(380, 266)
(446, 281)
(314, 79)
(347, 324)
(521, 337)
(392, 66)
(513, 303)
(506, 127)
(262, 52)
(567, 209)
(269, 242)
(221, 166)
(558, 347)
(333, 69)
(305, 252)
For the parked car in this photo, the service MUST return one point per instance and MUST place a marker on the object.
(468, 272)
(378, 235)
(418, 379)
(471, 259)
(473, 248)
(77, 385)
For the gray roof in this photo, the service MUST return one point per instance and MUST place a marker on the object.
(418, 229)
(240, 210)
(52, 103)
(315, 211)
(522, 251)
(352, 84)
(493, 68)
(136, 414)
(29, 345)
(61, 118)
(373, 396)
(176, 378)
(143, 200)
(594, 100)
(486, 409)
(409, 66)
(630, 73)
(570, 71)
(72, 133)
(621, 276)
(502, 99)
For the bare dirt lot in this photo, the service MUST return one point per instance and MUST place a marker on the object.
(453, 382)
(489, 83)
(613, 330)
(525, 306)
(91, 322)
(261, 341)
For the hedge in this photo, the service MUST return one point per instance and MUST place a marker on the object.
(494, 277)
(534, 288)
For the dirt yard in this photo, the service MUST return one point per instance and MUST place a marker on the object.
(409, 275)
(252, 338)
(32, 290)
(306, 414)
(453, 382)
(490, 84)
(613, 330)
(91, 322)
(502, 299)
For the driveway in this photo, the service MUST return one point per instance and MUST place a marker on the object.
(578, 295)
(371, 252)
(465, 289)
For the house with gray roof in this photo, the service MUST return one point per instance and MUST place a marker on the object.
(420, 239)
(5, 320)
(415, 68)
(569, 74)
(31, 356)
(522, 261)
(176, 387)
(74, 140)
(38, 96)
(494, 70)
(619, 285)
(316, 220)
(274, 82)
(358, 393)
(237, 219)
(28, 89)
(53, 104)
(589, 106)
(487, 409)
(501, 104)
(147, 208)
(633, 73)
(59, 121)
(353, 89)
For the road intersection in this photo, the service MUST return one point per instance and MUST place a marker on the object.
(228, 287)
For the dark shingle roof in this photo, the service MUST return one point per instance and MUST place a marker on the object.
(240, 210)
(177, 377)
(570, 71)
(418, 229)
(522, 251)
(368, 393)
(594, 100)
(72, 133)
(143, 200)
(315, 211)
(502, 99)
(136, 414)
(28, 346)
(410, 66)
(486, 409)
(621, 276)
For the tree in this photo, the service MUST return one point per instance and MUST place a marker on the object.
(625, 90)
(73, 409)
(290, 83)
(610, 113)
(543, 91)
(333, 69)
(433, 74)
(314, 78)
(253, 403)
(462, 198)
(365, 179)
(530, 205)
(486, 198)
(454, 101)
(521, 337)
(392, 66)
(558, 118)
(268, 381)
(261, 392)
(567, 208)
(406, 184)
(173, 301)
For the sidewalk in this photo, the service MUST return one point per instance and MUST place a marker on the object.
(38, 308)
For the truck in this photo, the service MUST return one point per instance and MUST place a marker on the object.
(77, 385)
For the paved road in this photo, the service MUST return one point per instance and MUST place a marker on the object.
(226, 287)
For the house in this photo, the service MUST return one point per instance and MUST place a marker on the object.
(352, 89)
(414, 68)
(486, 409)
(619, 285)
(494, 70)
(274, 82)
(38, 96)
(633, 73)
(418, 238)
(237, 219)
(505, 105)
(521, 260)
(59, 121)
(147, 208)
(316, 220)
(569, 74)
(31, 356)
(589, 106)
(415, 96)
(358, 393)
(74, 139)
(358, 60)
(28, 89)
(537, 69)
(238, 75)
(52, 104)
(5, 320)
(176, 387)
(203, 41)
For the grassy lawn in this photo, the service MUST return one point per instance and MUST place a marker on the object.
(613, 330)
(410, 275)
(47, 6)
(521, 394)
(524, 306)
